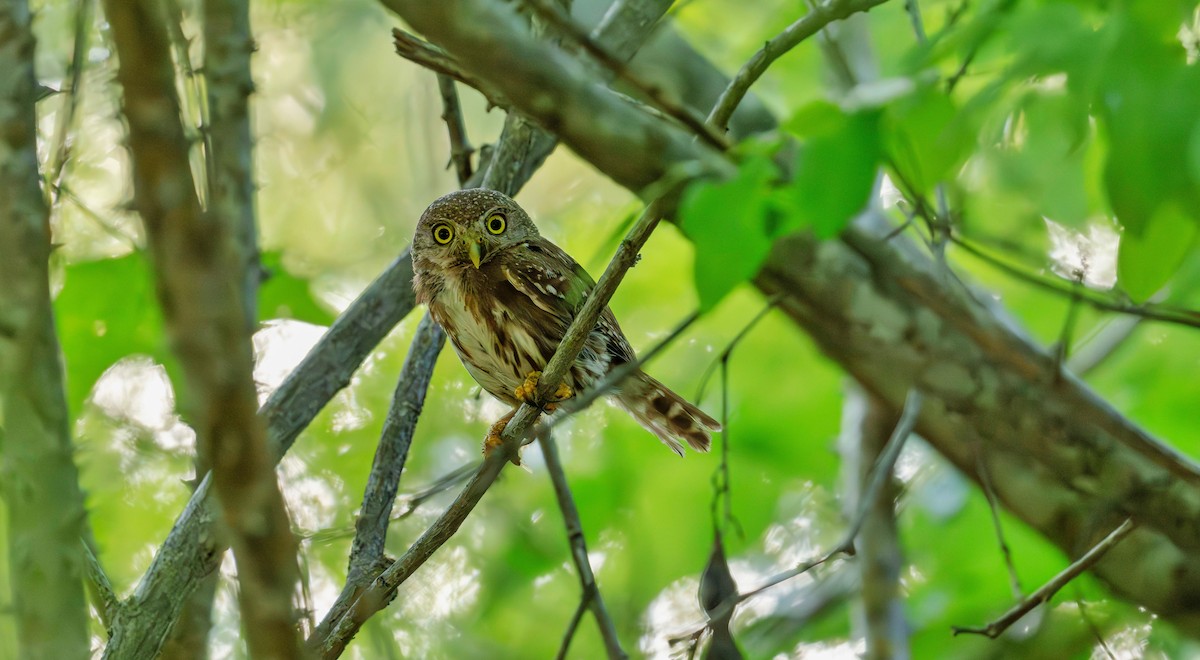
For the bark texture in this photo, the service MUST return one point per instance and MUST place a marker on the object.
(199, 280)
(37, 470)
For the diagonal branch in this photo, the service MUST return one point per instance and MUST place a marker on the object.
(556, 17)
(435, 59)
(812, 22)
(1047, 591)
(366, 551)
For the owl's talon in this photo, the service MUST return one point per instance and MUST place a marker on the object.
(563, 393)
(493, 440)
(527, 392)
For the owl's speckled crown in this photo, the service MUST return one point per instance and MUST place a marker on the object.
(468, 204)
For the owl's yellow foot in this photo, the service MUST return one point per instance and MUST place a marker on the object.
(493, 439)
(527, 392)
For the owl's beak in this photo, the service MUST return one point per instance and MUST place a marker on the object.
(475, 251)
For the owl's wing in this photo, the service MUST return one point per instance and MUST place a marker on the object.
(557, 284)
(549, 277)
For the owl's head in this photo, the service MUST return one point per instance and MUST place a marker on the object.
(467, 227)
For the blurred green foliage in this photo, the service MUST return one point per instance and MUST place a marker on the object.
(1080, 112)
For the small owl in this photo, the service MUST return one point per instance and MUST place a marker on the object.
(505, 297)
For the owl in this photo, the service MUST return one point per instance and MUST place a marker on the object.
(505, 297)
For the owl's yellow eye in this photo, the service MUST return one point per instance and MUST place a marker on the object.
(443, 233)
(496, 223)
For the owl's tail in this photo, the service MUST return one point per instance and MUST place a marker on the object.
(666, 414)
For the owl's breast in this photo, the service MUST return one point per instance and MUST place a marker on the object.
(494, 335)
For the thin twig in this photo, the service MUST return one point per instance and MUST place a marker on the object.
(791, 37)
(556, 17)
(1087, 620)
(460, 146)
(1103, 344)
(722, 490)
(737, 339)
(989, 493)
(196, 128)
(60, 147)
(410, 503)
(1184, 317)
(572, 626)
(103, 597)
(913, 8)
(879, 474)
(1047, 591)
(590, 591)
(420, 52)
(1062, 350)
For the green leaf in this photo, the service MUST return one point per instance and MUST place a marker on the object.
(106, 311)
(283, 295)
(726, 220)
(1148, 260)
(926, 138)
(1046, 164)
(835, 169)
(1149, 103)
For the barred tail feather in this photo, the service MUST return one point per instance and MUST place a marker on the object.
(666, 414)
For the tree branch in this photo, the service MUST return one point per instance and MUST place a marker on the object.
(422, 53)
(104, 599)
(812, 22)
(227, 48)
(1047, 591)
(590, 591)
(460, 147)
(560, 21)
(366, 551)
(37, 472)
(199, 284)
